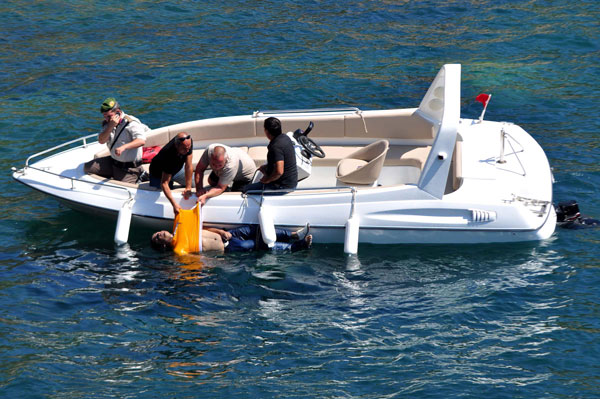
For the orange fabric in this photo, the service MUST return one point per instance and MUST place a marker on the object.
(186, 231)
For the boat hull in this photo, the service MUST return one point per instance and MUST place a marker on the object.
(443, 179)
(378, 226)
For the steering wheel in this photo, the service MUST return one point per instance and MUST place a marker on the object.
(310, 146)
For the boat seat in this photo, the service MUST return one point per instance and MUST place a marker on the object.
(401, 155)
(398, 155)
(364, 165)
(196, 154)
(258, 155)
(333, 155)
(113, 181)
(103, 153)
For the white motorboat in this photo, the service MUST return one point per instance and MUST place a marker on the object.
(414, 175)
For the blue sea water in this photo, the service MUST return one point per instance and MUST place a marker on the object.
(80, 318)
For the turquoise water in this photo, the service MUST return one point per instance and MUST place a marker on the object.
(81, 319)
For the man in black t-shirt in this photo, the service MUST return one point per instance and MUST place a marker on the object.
(168, 162)
(280, 172)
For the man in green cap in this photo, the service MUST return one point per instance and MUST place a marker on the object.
(125, 136)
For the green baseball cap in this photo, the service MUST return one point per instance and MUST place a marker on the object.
(109, 104)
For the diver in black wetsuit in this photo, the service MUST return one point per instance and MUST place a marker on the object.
(569, 217)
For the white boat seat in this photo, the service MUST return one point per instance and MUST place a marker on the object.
(349, 165)
(364, 165)
(398, 155)
(333, 155)
(407, 156)
(258, 155)
(104, 153)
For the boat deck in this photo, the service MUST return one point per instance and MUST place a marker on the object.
(403, 165)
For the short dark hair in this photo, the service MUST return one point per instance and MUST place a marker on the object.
(157, 244)
(273, 126)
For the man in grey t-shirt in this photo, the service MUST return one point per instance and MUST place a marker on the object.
(230, 167)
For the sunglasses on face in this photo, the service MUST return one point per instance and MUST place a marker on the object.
(182, 139)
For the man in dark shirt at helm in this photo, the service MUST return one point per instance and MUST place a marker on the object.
(280, 171)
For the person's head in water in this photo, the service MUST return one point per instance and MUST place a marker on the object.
(162, 240)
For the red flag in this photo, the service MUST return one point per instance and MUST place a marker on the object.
(483, 98)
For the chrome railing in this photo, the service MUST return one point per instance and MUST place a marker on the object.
(307, 111)
(84, 139)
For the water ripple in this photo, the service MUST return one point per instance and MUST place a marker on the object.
(80, 318)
